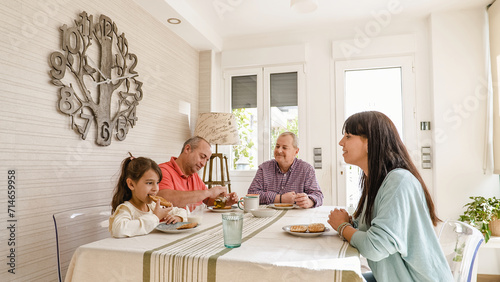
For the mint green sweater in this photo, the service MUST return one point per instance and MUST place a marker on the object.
(400, 244)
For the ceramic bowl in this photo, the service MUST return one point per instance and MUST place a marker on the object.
(262, 212)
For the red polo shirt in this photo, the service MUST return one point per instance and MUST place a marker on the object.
(175, 179)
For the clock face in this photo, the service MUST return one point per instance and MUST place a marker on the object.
(95, 73)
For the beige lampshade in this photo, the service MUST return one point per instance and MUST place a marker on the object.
(217, 128)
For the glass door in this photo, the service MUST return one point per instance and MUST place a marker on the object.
(385, 85)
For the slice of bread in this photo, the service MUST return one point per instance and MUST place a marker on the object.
(316, 227)
(283, 205)
(298, 228)
(163, 202)
(187, 226)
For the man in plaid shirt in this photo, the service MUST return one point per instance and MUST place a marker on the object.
(286, 179)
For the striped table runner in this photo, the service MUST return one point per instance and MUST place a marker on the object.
(194, 257)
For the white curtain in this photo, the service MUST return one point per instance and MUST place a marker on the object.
(494, 113)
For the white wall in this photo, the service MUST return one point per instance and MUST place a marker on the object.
(459, 87)
(55, 169)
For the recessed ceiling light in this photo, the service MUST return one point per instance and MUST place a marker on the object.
(174, 21)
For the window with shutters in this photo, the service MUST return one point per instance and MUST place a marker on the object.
(265, 102)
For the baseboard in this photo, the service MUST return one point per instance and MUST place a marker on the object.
(488, 278)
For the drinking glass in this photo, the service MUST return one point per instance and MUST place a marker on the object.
(195, 212)
(232, 227)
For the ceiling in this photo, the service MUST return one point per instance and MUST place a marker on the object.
(207, 23)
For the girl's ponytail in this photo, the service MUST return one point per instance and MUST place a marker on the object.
(132, 168)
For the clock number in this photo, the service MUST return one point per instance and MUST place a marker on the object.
(58, 63)
(132, 118)
(85, 24)
(88, 122)
(67, 100)
(132, 57)
(138, 95)
(105, 135)
(71, 39)
(106, 26)
(121, 128)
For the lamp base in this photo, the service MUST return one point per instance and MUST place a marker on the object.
(224, 167)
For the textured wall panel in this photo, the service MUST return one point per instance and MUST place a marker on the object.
(55, 170)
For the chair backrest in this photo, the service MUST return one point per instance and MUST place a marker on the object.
(460, 243)
(78, 227)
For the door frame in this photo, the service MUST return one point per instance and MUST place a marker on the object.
(409, 109)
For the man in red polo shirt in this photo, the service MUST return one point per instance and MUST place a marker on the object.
(181, 183)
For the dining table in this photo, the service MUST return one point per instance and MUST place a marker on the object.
(269, 252)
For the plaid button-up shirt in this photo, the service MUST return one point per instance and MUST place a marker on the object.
(269, 181)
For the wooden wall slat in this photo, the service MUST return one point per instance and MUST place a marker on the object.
(55, 169)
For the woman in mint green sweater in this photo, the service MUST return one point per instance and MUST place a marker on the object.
(393, 225)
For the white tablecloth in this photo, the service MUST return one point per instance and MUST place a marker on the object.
(267, 254)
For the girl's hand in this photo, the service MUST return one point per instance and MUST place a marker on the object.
(337, 217)
(160, 211)
(171, 219)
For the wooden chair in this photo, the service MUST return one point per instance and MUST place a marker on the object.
(78, 227)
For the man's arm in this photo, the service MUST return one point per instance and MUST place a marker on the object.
(178, 198)
(182, 198)
(210, 201)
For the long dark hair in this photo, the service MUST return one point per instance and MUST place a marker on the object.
(133, 168)
(386, 152)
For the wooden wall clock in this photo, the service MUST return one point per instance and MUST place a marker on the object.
(95, 73)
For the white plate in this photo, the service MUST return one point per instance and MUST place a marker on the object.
(232, 209)
(172, 228)
(294, 206)
(303, 234)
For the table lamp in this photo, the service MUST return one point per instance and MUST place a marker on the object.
(217, 129)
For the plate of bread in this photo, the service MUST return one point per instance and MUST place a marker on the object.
(283, 206)
(178, 227)
(306, 230)
(224, 209)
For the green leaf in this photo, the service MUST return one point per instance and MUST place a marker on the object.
(479, 213)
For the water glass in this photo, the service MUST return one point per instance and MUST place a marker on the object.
(232, 227)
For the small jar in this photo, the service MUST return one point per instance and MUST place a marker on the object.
(220, 201)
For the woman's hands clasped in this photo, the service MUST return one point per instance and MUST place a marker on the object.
(337, 217)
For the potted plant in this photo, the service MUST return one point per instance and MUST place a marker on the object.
(484, 214)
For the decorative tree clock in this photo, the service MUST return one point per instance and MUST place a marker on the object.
(95, 73)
